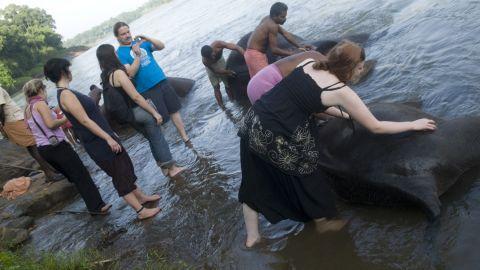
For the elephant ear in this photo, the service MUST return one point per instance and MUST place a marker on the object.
(390, 190)
(420, 190)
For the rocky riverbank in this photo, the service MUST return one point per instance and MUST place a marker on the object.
(17, 217)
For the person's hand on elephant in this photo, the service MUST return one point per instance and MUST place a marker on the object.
(424, 124)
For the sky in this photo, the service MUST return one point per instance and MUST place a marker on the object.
(74, 17)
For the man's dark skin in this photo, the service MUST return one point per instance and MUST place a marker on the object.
(265, 36)
(217, 53)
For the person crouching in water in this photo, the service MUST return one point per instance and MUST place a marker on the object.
(146, 118)
(98, 139)
(52, 147)
(280, 152)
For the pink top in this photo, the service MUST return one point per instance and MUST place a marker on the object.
(263, 81)
(40, 138)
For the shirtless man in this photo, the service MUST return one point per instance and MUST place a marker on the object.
(265, 36)
(212, 58)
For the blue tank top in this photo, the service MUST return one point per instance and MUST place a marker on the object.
(149, 73)
(96, 147)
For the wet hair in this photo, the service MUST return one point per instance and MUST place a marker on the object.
(33, 88)
(108, 60)
(117, 26)
(55, 68)
(342, 60)
(207, 51)
(277, 9)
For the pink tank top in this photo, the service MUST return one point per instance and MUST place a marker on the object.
(263, 81)
(40, 138)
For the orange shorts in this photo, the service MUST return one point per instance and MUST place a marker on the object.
(255, 60)
(18, 133)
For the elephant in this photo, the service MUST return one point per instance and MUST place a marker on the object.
(409, 168)
(236, 62)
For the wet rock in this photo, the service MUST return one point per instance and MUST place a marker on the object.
(10, 237)
(24, 222)
(14, 161)
(40, 198)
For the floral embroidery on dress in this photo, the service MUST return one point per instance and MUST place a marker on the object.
(296, 154)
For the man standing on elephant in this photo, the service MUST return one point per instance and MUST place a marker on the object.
(265, 36)
(150, 80)
(212, 58)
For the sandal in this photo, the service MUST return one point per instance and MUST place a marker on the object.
(104, 210)
(143, 218)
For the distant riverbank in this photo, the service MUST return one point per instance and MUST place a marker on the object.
(37, 71)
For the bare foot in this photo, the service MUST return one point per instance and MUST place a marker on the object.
(145, 213)
(252, 241)
(175, 170)
(329, 225)
(106, 208)
(151, 198)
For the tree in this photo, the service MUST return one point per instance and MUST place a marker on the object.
(6, 80)
(27, 36)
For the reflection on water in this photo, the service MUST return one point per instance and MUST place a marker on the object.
(427, 51)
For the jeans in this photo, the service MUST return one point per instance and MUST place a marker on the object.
(146, 124)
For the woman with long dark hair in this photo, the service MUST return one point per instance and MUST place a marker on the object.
(146, 118)
(280, 152)
(98, 139)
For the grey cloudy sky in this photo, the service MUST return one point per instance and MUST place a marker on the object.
(74, 17)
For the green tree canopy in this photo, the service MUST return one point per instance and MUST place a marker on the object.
(27, 35)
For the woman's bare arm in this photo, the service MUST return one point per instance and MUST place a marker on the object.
(72, 105)
(42, 108)
(352, 103)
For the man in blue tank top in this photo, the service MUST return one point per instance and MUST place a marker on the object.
(150, 80)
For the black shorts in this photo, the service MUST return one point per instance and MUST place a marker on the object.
(165, 99)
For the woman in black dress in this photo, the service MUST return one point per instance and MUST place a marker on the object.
(279, 147)
(99, 140)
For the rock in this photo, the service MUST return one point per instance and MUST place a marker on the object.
(24, 222)
(10, 237)
(12, 157)
(40, 198)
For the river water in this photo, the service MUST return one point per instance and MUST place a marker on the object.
(427, 51)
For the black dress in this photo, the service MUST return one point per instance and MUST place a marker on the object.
(279, 152)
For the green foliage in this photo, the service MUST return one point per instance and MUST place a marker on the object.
(155, 261)
(88, 38)
(27, 38)
(6, 80)
(82, 260)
